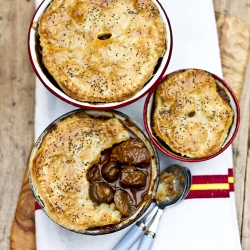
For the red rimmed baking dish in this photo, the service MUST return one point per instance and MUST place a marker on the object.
(64, 175)
(194, 113)
(49, 82)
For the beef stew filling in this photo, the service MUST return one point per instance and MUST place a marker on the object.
(122, 176)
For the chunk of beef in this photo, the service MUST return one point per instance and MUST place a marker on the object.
(132, 177)
(132, 152)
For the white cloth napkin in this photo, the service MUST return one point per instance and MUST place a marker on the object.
(206, 220)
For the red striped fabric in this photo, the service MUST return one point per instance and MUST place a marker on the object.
(37, 206)
(212, 179)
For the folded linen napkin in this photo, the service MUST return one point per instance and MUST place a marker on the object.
(206, 219)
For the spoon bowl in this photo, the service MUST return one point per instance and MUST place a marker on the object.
(172, 186)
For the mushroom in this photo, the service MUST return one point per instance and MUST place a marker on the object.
(123, 202)
(110, 171)
(101, 192)
(94, 174)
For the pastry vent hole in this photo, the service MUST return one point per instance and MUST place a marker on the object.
(104, 36)
(191, 114)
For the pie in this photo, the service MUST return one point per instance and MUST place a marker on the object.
(192, 113)
(59, 165)
(101, 51)
(79, 176)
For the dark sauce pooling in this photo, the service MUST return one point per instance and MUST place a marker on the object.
(222, 93)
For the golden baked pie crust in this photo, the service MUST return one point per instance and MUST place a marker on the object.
(58, 170)
(190, 116)
(93, 70)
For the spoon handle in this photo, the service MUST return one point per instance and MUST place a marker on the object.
(129, 239)
(136, 231)
(146, 243)
(148, 238)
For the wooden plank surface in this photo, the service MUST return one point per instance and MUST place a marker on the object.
(17, 118)
(241, 145)
(16, 107)
(23, 229)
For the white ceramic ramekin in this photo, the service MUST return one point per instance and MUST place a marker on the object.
(52, 86)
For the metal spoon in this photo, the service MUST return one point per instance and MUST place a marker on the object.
(190, 181)
(137, 230)
(148, 238)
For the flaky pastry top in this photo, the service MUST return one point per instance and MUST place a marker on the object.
(58, 170)
(192, 115)
(91, 69)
